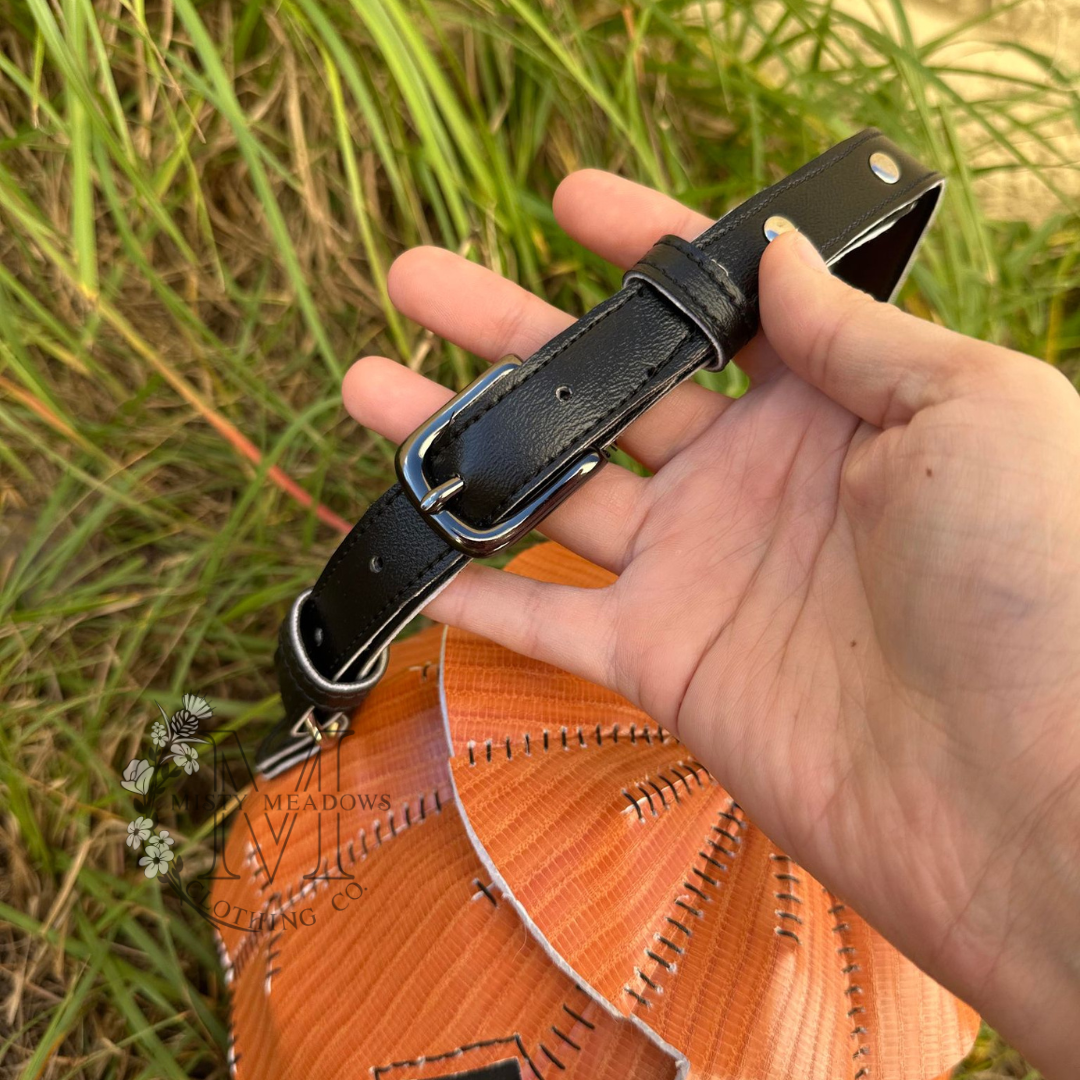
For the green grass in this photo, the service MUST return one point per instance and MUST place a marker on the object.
(198, 206)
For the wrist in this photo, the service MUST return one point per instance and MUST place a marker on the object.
(1023, 950)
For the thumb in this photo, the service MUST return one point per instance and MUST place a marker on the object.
(875, 360)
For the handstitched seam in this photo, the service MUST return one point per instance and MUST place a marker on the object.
(485, 890)
(787, 898)
(223, 954)
(849, 970)
(737, 215)
(256, 938)
(456, 1052)
(564, 741)
(272, 954)
(578, 1018)
(671, 966)
(376, 828)
(295, 892)
(639, 785)
(232, 1058)
(453, 435)
(253, 861)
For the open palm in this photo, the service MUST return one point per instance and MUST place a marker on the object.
(854, 592)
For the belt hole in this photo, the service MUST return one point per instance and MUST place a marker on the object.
(376, 564)
(564, 393)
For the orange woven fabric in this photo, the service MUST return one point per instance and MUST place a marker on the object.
(586, 902)
(644, 875)
(424, 975)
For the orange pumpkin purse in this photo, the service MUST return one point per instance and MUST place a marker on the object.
(553, 887)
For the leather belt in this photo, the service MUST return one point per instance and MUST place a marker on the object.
(507, 450)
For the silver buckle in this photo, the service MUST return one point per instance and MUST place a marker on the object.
(431, 501)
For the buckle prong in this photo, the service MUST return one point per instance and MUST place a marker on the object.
(439, 496)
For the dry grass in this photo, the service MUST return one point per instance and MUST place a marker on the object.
(198, 204)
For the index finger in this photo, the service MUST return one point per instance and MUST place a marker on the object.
(620, 220)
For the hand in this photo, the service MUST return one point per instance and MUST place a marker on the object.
(854, 593)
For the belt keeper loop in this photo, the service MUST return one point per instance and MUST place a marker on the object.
(702, 290)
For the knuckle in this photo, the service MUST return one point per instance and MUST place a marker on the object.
(511, 328)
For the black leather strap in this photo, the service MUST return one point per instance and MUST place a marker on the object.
(682, 307)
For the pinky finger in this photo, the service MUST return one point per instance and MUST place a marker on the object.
(562, 625)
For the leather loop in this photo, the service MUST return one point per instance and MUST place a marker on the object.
(703, 290)
(304, 683)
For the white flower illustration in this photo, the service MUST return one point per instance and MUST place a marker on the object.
(156, 860)
(159, 734)
(163, 839)
(197, 707)
(138, 831)
(137, 776)
(186, 757)
(184, 724)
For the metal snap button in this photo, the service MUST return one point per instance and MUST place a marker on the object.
(776, 225)
(884, 167)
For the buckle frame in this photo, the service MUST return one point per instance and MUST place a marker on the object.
(431, 501)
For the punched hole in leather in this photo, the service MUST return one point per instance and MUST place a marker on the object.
(686, 305)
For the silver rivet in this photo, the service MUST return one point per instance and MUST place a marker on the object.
(884, 167)
(776, 225)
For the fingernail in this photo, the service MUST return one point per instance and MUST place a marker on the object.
(806, 253)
